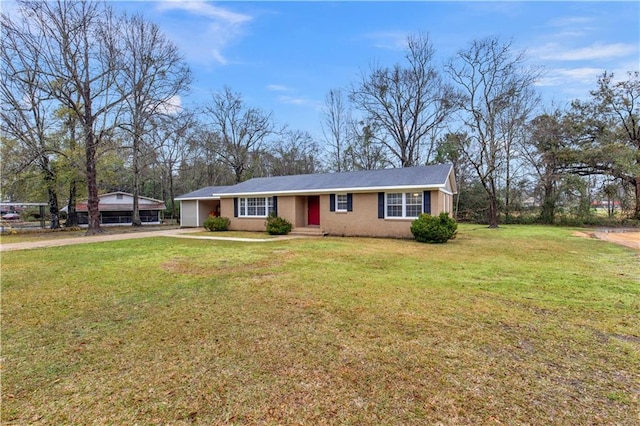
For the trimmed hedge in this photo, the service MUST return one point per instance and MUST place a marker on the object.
(278, 225)
(434, 229)
(216, 223)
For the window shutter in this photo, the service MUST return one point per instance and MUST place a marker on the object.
(235, 207)
(426, 202)
(275, 205)
(380, 205)
(332, 202)
(349, 202)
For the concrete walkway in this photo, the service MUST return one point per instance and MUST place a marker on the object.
(176, 233)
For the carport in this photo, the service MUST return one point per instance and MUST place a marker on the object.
(197, 206)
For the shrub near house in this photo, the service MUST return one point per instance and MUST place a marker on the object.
(216, 223)
(434, 229)
(278, 225)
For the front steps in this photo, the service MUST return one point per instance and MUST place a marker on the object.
(308, 231)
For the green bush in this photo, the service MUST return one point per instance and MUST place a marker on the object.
(434, 229)
(278, 225)
(216, 223)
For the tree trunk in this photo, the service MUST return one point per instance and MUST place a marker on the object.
(493, 205)
(53, 209)
(547, 214)
(493, 211)
(72, 215)
(507, 195)
(92, 188)
(172, 197)
(135, 219)
(637, 209)
(50, 182)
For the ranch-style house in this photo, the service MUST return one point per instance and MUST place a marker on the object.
(376, 203)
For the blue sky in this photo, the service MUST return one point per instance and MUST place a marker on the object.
(285, 56)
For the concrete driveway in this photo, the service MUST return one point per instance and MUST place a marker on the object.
(176, 233)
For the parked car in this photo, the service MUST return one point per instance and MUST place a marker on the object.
(11, 216)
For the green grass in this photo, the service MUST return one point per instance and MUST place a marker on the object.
(523, 325)
(234, 234)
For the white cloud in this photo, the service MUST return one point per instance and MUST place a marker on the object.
(208, 32)
(171, 106)
(556, 52)
(570, 21)
(278, 88)
(394, 40)
(204, 8)
(299, 101)
(570, 76)
(292, 100)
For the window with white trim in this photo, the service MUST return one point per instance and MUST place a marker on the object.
(403, 205)
(255, 206)
(341, 202)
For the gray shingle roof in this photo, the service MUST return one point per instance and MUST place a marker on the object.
(207, 192)
(415, 177)
(360, 180)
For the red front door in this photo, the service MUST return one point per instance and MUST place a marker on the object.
(313, 210)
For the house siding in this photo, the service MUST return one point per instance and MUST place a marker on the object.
(361, 221)
(444, 203)
(228, 208)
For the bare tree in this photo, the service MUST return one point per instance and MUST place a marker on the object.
(335, 128)
(293, 153)
(513, 128)
(495, 85)
(73, 161)
(542, 152)
(78, 63)
(365, 152)
(27, 110)
(242, 130)
(406, 102)
(153, 74)
(171, 138)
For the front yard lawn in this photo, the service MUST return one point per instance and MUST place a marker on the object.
(521, 325)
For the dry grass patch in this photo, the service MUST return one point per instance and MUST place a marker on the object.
(515, 326)
(235, 234)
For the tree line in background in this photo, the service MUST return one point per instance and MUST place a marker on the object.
(89, 106)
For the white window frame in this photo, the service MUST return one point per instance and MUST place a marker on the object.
(404, 204)
(257, 203)
(345, 202)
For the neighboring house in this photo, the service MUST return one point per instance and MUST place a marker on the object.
(380, 203)
(116, 208)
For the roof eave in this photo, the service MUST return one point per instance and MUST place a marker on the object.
(334, 190)
(195, 198)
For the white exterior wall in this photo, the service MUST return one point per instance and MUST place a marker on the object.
(189, 213)
(126, 199)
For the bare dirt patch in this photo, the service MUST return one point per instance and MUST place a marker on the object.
(627, 239)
